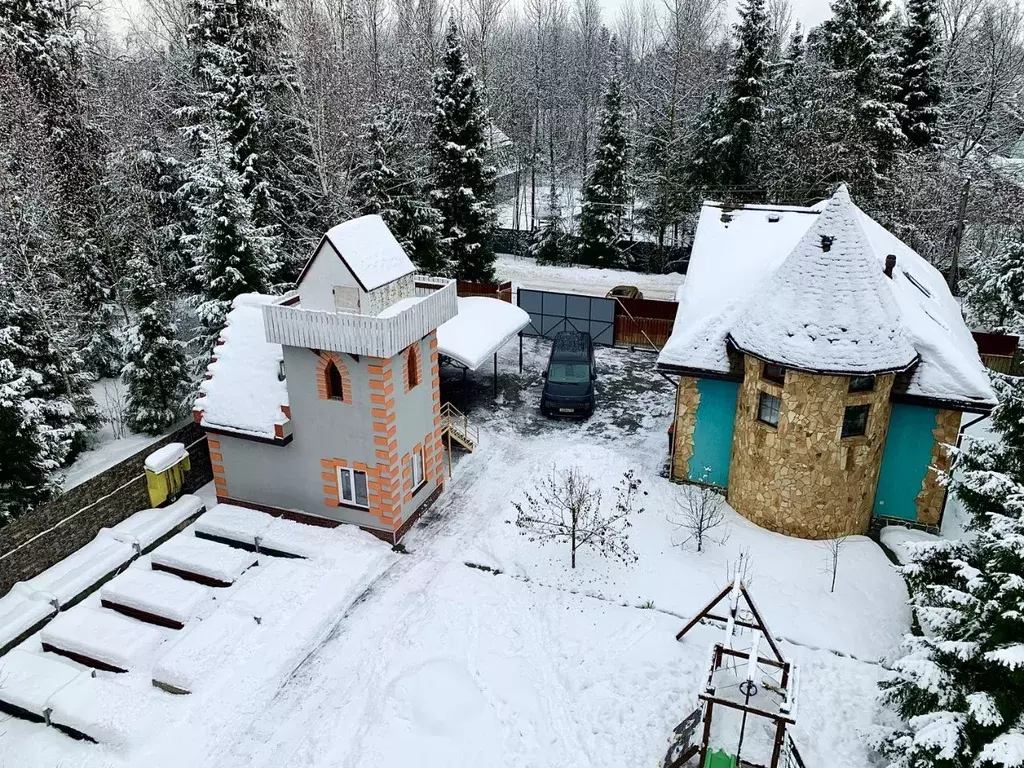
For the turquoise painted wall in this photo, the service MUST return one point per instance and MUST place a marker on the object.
(712, 435)
(905, 460)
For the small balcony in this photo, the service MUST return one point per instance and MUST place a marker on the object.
(429, 303)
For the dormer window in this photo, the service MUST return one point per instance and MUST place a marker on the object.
(335, 388)
(862, 383)
(774, 373)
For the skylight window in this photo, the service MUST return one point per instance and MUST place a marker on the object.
(916, 284)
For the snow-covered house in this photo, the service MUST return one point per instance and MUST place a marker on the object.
(325, 402)
(823, 366)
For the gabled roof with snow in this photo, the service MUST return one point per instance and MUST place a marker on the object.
(737, 251)
(369, 251)
(826, 307)
(243, 393)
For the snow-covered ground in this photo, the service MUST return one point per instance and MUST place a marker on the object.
(524, 272)
(113, 442)
(439, 664)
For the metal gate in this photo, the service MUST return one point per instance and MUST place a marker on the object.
(551, 313)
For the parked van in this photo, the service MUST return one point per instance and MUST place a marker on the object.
(570, 376)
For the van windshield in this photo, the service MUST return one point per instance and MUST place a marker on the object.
(569, 373)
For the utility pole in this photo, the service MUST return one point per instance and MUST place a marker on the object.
(958, 236)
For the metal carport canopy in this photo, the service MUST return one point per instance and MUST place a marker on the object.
(482, 326)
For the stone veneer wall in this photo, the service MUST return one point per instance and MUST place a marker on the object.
(687, 402)
(933, 493)
(802, 479)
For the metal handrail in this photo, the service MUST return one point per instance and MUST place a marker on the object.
(451, 418)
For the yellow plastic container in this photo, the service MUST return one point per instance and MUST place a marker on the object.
(165, 473)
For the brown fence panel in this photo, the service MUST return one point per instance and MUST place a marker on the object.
(644, 332)
(996, 344)
(653, 308)
(644, 323)
(999, 363)
(501, 291)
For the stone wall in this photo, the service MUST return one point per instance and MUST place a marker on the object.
(933, 493)
(802, 478)
(687, 402)
(114, 495)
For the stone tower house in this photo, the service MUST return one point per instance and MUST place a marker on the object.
(823, 383)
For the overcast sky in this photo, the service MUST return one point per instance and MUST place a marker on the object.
(808, 12)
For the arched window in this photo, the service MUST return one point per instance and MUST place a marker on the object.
(412, 366)
(335, 391)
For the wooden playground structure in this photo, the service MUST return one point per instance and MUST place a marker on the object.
(748, 699)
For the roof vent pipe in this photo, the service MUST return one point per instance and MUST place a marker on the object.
(890, 265)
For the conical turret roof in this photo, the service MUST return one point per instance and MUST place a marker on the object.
(827, 308)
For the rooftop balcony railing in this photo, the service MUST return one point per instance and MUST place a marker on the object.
(365, 334)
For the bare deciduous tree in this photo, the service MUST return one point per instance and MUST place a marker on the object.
(833, 549)
(115, 409)
(700, 515)
(567, 507)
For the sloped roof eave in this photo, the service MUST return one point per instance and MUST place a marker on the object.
(826, 371)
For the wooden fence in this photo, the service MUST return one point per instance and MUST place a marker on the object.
(644, 323)
(501, 291)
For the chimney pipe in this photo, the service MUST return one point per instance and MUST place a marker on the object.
(890, 265)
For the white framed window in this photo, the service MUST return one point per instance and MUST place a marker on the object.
(352, 487)
(418, 475)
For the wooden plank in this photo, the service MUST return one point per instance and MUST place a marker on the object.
(703, 612)
(135, 613)
(86, 660)
(189, 576)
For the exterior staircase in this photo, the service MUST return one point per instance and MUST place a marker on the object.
(456, 428)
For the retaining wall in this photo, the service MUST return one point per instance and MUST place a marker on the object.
(53, 530)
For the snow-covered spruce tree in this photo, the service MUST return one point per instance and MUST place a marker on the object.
(45, 51)
(858, 43)
(920, 90)
(44, 43)
(958, 685)
(156, 369)
(54, 386)
(387, 184)
(606, 192)
(26, 464)
(99, 326)
(548, 241)
(462, 176)
(246, 94)
(995, 292)
(733, 154)
(232, 255)
(161, 175)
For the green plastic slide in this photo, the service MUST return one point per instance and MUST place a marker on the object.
(718, 759)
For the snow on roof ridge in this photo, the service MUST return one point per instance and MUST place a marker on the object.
(825, 308)
(370, 251)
